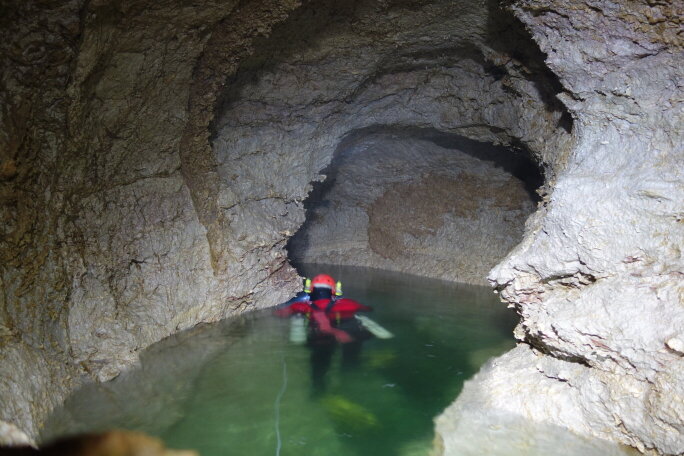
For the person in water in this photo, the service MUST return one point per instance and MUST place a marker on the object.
(331, 321)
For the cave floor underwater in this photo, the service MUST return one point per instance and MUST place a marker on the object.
(240, 387)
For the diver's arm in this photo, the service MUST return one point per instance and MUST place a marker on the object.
(349, 305)
(324, 326)
(288, 308)
(297, 307)
(299, 297)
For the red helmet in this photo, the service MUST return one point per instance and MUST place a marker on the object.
(323, 281)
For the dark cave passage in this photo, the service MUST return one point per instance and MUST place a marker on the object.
(420, 201)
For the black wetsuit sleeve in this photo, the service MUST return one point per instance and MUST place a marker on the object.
(301, 296)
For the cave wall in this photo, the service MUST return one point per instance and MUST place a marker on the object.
(365, 66)
(108, 245)
(140, 195)
(418, 202)
(36, 62)
(598, 278)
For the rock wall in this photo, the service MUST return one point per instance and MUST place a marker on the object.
(37, 57)
(107, 242)
(152, 170)
(598, 279)
(365, 67)
(416, 202)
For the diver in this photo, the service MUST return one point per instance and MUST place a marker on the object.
(322, 319)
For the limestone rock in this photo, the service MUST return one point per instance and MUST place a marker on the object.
(293, 108)
(405, 203)
(520, 384)
(10, 435)
(676, 345)
(104, 246)
(155, 156)
(598, 278)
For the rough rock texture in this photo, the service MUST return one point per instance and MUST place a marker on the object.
(334, 72)
(491, 404)
(599, 277)
(35, 64)
(107, 245)
(129, 211)
(397, 202)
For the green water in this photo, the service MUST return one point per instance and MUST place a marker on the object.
(241, 388)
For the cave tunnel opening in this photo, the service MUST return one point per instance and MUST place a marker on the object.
(420, 201)
(405, 136)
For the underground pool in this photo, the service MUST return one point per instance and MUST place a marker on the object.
(241, 387)
(214, 388)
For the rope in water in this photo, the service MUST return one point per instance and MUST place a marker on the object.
(277, 408)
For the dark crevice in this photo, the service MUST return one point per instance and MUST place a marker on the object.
(509, 36)
(538, 344)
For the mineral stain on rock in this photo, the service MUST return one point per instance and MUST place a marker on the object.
(418, 208)
(407, 201)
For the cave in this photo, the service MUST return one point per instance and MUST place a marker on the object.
(420, 201)
(166, 164)
(332, 80)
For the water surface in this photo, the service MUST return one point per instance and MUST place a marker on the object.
(240, 387)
